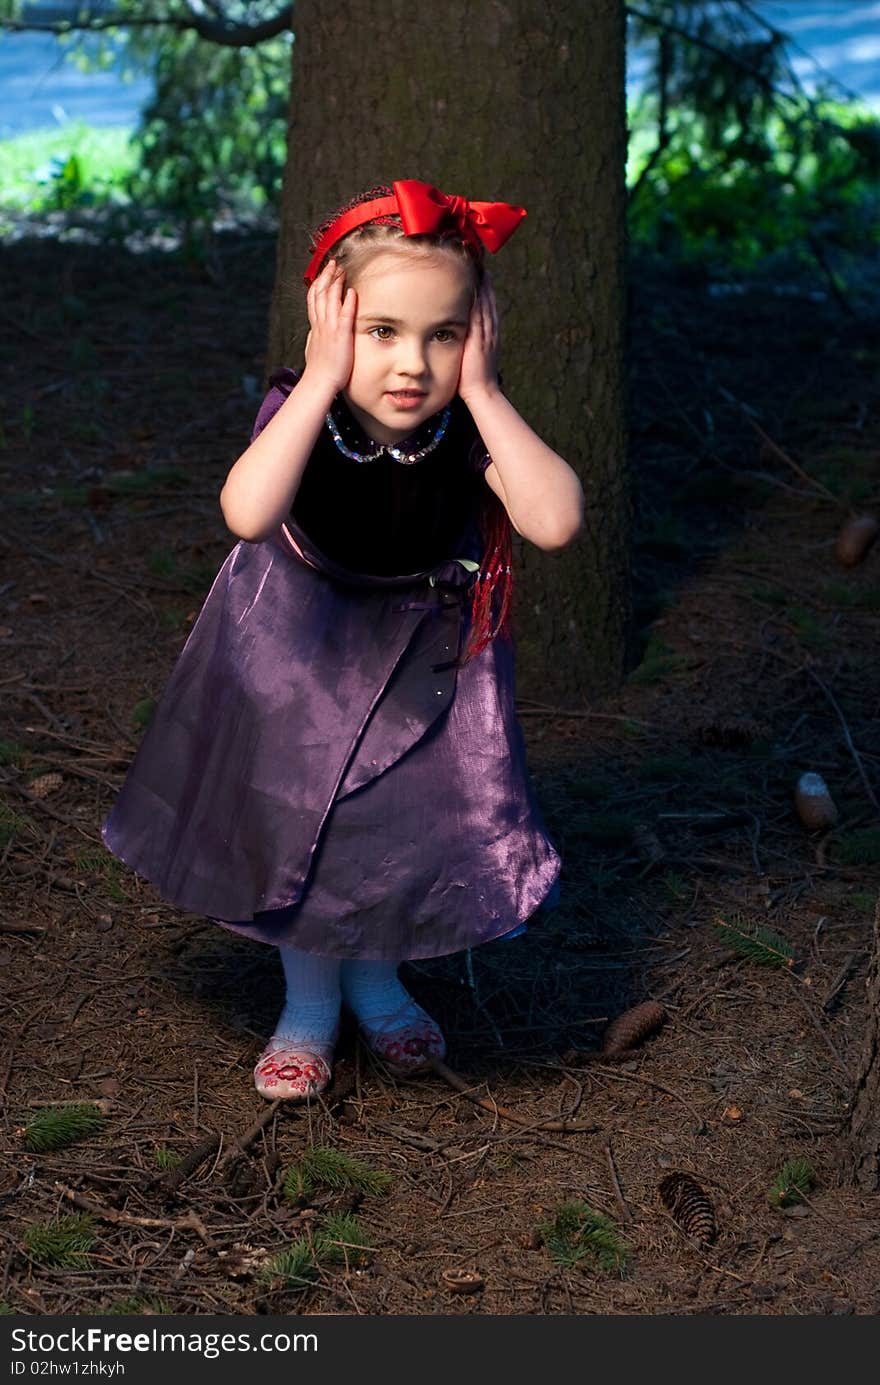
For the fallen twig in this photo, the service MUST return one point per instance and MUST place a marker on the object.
(848, 738)
(190, 1221)
(615, 1183)
(494, 1109)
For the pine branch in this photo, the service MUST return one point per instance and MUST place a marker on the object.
(224, 32)
(756, 943)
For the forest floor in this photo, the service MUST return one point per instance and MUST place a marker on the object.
(128, 384)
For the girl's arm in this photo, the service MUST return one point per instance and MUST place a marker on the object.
(263, 483)
(540, 492)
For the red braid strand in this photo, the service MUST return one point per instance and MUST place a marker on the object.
(493, 589)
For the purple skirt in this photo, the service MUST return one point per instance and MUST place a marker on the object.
(320, 773)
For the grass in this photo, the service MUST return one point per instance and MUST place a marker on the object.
(165, 1158)
(76, 164)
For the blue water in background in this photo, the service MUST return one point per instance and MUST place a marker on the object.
(39, 88)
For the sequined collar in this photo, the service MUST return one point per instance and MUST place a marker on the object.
(357, 446)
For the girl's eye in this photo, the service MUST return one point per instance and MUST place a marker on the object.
(443, 334)
(382, 333)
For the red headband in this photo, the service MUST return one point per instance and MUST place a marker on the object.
(424, 210)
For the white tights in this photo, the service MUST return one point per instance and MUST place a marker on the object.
(317, 986)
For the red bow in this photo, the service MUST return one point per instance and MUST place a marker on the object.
(425, 210)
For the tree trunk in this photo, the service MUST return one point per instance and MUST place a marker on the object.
(523, 103)
(864, 1130)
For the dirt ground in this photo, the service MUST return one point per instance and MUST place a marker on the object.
(128, 384)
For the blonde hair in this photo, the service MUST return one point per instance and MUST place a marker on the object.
(353, 252)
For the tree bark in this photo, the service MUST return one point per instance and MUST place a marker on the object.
(864, 1129)
(516, 101)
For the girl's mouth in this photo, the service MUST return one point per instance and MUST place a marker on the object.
(406, 399)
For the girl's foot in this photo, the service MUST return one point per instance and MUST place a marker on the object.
(297, 1061)
(289, 1071)
(394, 1027)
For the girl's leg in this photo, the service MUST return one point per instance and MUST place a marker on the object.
(297, 1060)
(394, 1026)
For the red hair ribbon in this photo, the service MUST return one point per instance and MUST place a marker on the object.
(425, 210)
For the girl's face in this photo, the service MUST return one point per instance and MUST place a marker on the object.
(412, 319)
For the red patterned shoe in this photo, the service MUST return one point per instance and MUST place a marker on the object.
(405, 1041)
(289, 1073)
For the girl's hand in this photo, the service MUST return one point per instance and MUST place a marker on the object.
(330, 344)
(479, 361)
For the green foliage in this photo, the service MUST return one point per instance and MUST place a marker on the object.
(754, 942)
(138, 1303)
(342, 1240)
(807, 628)
(675, 885)
(324, 1166)
(668, 768)
(142, 713)
(860, 848)
(863, 901)
(577, 1234)
(794, 1180)
(64, 1242)
(6, 1309)
(59, 1126)
(11, 753)
(296, 1265)
(100, 868)
(730, 160)
(852, 597)
(657, 661)
(610, 829)
(62, 169)
(165, 1158)
(12, 824)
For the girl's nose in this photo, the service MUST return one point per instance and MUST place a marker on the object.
(411, 360)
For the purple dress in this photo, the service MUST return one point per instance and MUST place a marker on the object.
(319, 771)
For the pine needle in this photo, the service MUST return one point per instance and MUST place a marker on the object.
(296, 1265)
(63, 1242)
(794, 1180)
(326, 1167)
(138, 1303)
(578, 1233)
(754, 942)
(165, 1158)
(342, 1240)
(298, 1185)
(59, 1126)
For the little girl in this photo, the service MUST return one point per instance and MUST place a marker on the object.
(335, 766)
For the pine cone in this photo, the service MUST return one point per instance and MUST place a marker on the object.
(689, 1205)
(45, 784)
(629, 1029)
